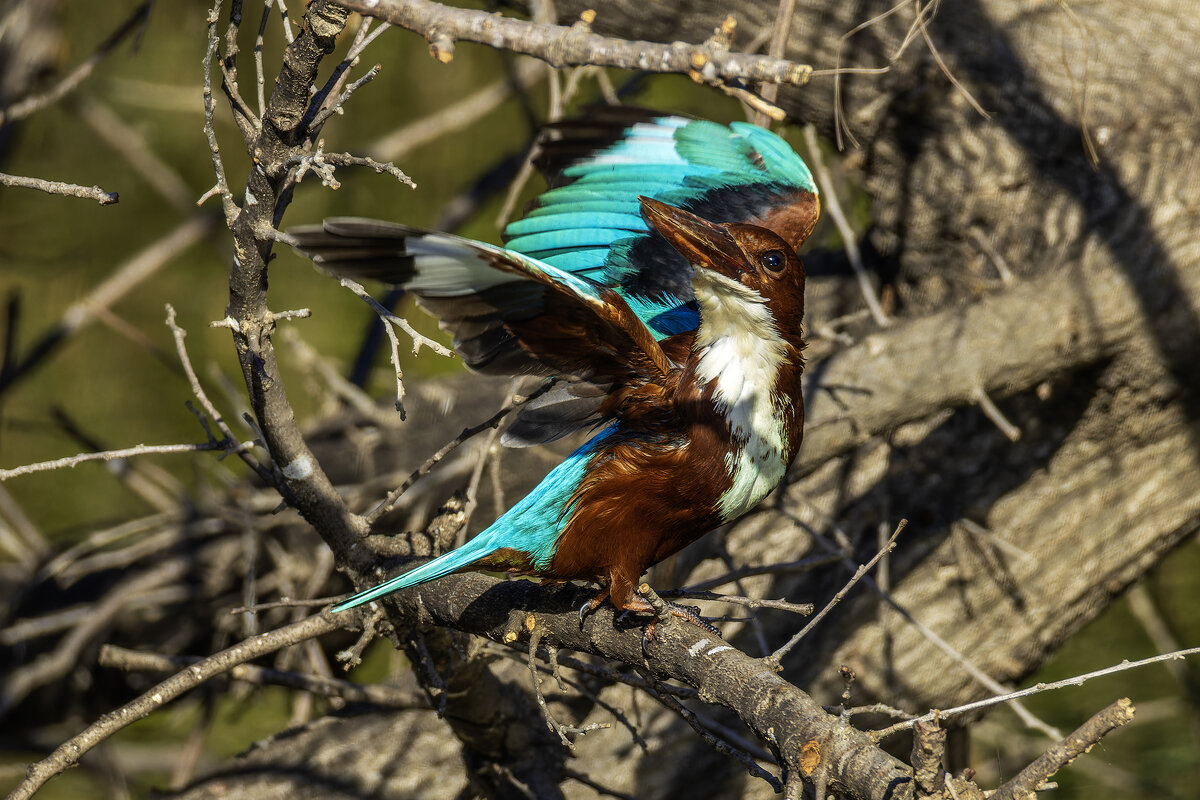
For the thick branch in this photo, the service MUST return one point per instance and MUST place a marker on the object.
(575, 46)
(1007, 342)
(779, 713)
(300, 479)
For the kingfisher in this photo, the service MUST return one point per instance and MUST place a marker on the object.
(657, 284)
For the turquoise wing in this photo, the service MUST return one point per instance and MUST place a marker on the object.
(589, 223)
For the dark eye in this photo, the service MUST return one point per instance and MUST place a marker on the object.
(772, 260)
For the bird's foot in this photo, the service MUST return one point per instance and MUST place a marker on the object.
(592, 605)
(662, 608)
(692, 615)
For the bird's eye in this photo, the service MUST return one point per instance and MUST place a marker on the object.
(772, 261)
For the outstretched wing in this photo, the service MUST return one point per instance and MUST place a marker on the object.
(495, 300)
(584, 287)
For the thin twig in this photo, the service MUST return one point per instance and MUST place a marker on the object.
(392, 321)
(376, 694)
(779, 568)
(989, 409)
(287, 22)
(720, 745)
(937, 641)
(1082, 739)
(336, 106)
(777, 657)
(107, 455)
(228, 206)
(322, 164)
(803, 609)
(575, 45)
(830, 202)
(259, 80)
(389, 502)
(1006, 276)
(922, 23)
(598, 788)
(321, 106)
(516, 652)
(231, 443)
(287, 602)
(1077, 680)
(839, 114)
(780, 30)
(559, 729)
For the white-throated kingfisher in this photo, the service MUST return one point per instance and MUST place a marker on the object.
(658, 278)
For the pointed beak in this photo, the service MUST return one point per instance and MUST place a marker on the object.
(698, 240)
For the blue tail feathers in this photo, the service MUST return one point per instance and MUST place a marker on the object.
(440, 567)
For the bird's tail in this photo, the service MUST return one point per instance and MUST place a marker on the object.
(440, 567)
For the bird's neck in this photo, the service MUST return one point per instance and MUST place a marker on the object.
(743, 356)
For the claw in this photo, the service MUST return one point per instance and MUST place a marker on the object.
(592, 605)
(648, 636)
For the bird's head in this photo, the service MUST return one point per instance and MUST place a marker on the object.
(734, 259)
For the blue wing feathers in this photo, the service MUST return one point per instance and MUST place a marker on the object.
(574, 220)
(695, 164)
(562, 239)
(580, 262)
(569, 205)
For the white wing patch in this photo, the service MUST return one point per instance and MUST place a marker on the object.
(742, 351)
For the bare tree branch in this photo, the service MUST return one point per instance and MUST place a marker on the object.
(107, 455)
(68, 753)
(57, 187)
(576, 45)
(376, 694)
(1081, 740)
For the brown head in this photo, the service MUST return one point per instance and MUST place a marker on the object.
(753, 256)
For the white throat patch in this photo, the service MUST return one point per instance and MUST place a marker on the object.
(741, 350)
